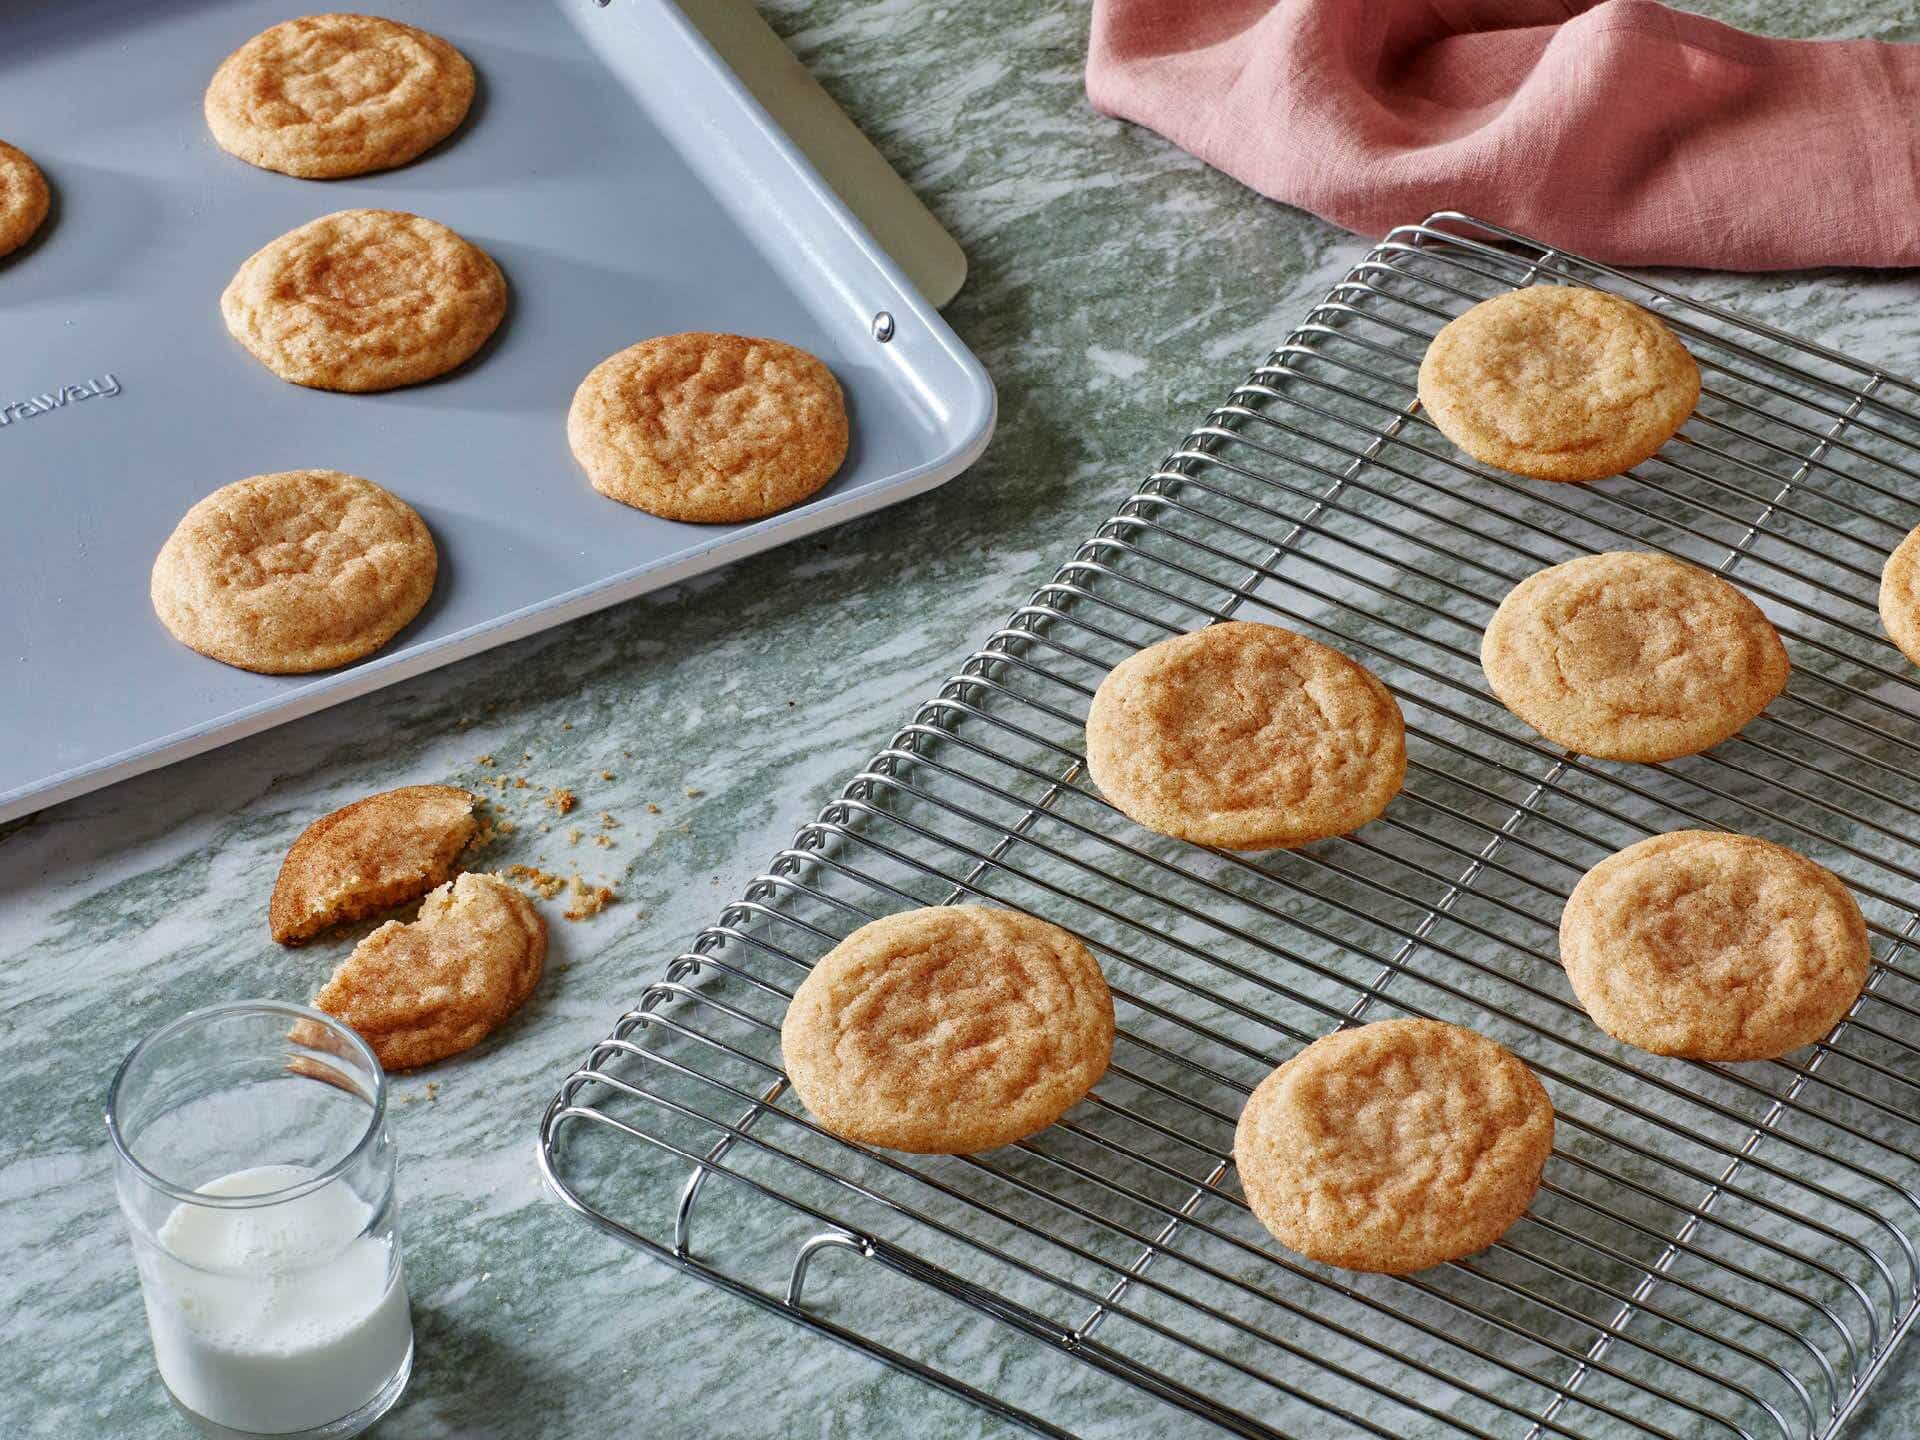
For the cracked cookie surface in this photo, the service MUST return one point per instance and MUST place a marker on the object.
(1630, 655)
(948, 1030)
(24, 198)
(1713, 946)
(365, 300)
(1900, 596)
(420, 992)
(1246, 736)
(296, 571)
(1558, 382)
(709, 428)
(1394, 1146)
(326, 96)
(369, 855)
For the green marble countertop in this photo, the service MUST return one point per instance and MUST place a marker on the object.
(1117, 287)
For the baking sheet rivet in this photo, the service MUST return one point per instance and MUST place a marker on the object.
(883, 327)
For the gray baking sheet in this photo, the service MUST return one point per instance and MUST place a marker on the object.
(627, 185)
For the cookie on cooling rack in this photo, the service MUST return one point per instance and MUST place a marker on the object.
(709, 428)
(24, 198)
(421, 992)
(948, 1030)
(365, 300)
(1558, 382)
(1246, 736)
(1713, 946)
(1629, 655)
(1394, 1146)
(1900, 596)
(296, 571)
(327, 96)
(368, 856)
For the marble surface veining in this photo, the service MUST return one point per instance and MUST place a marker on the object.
(1117, 287)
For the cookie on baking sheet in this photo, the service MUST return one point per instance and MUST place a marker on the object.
(948, 1030)
(365, 300)
(295, 571)
(1714, 946)
(1629, 655)
(24, 198)
(709, 428)
(1558, 382)
(370, 855)
(1900, 596)
(1394, 1146)
(1246, 736)
(421, 992)
(331, 95)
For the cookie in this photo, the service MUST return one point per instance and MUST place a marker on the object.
(24, 198)
(948, 1030)
(421, 992)
(365, 300)
(1246, 736)
(709, 428)
(1713, 946)
(1558, 382)
(1630, 655)
(296, 571)
(331, 95)
(368, 856)
(1900, 596)
(1394, 1146)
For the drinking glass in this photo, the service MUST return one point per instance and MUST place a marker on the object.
(256, 1175)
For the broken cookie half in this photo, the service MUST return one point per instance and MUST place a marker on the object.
(369, 856)
(420, 992)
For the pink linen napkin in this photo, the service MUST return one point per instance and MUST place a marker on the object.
(1621, 130)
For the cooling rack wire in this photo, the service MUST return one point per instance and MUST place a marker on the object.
(1717, 1250)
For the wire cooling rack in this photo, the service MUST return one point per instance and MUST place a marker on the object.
(1717, 1250)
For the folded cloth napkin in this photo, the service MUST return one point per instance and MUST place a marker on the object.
(1621, 130)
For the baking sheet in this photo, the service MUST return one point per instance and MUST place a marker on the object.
(627, 185)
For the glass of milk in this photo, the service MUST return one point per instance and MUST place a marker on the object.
(256, 1175)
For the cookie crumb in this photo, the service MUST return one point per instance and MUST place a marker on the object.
(485, 760)
(694, 794)
(652, 809)
(588, 899)
(573, 836)
(607, 822)
(606, 775)
(544, 883)
(562, 799)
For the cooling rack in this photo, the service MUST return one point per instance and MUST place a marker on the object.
(1717, 1250)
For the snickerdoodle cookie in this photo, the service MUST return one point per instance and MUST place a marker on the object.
(1246, 736)
(1630, 655)
(1558, 382)
(24, 198)
(331, 95)
(366, 856)
(421, 992)
(711, 428)
(295, 571)
(1714, 946)
(1900, 596)
(1394, 1146)
(365, 300)
(948, 1030)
